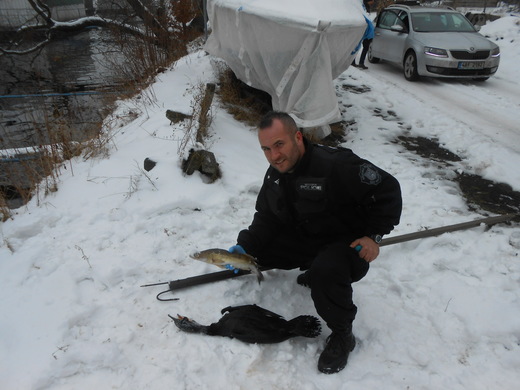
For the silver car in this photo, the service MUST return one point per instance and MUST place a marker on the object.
(435, 42)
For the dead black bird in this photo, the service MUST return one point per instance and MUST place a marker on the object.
(253, 324)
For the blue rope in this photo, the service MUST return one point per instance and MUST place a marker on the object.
(16, 159)
(54, 94)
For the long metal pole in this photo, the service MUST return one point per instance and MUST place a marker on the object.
(222, 275)
(445, 229)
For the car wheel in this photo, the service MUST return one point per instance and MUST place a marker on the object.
(410, 67)
(371, 58)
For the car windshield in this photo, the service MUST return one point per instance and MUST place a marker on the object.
(440, 22)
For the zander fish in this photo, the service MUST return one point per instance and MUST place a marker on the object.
(221, 258)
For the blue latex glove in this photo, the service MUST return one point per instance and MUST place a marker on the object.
(231, 268)
(237, 249)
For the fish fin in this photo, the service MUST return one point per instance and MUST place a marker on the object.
(259, 276)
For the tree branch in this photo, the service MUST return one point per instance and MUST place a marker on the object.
(42, 10)
(148, 17)
(51, 26)
(32, 49)
(71, 27)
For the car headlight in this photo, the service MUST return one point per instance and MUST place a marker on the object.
(495, 52)
(433, 51)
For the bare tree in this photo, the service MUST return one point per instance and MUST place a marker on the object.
(156, 25)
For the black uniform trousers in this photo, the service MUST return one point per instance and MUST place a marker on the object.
(332, 268)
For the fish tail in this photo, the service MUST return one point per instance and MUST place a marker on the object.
(306, 326)
(259, 276)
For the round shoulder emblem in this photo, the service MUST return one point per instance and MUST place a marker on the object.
(369, 174)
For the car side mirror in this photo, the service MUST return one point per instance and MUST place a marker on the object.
(398, 28)
(476, 27)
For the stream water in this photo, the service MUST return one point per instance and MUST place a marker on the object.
(62, 88)
(61, 93)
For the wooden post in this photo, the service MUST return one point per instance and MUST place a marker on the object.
(204, 108)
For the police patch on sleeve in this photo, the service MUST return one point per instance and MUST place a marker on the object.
(369, 174)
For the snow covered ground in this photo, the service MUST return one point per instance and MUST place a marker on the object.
(436, 313)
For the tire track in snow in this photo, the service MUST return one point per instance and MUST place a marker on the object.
(483, 109)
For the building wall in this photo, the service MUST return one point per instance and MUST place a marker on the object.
(68, 12)
(54, 3)
(15, 13)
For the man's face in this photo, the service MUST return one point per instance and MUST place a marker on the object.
(281, 148)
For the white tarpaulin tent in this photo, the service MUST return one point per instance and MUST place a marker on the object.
(291, 49)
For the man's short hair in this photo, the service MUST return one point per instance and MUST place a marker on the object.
(288, 122)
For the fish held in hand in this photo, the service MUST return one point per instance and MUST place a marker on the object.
(253, 324)
(223, 259)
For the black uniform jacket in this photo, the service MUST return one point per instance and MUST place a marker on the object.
(331, 195)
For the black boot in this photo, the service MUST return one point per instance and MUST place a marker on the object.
(335, 355)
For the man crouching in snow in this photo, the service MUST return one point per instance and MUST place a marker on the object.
(322, 209)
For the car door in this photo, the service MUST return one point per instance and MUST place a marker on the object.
(390, 35)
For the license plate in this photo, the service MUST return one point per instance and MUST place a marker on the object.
(472, 65)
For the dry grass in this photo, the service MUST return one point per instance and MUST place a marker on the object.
(21, 176)
(382, 4)
(34, 171)
(190, 136)
(246, 104)
(336, 137)
(5, 211)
